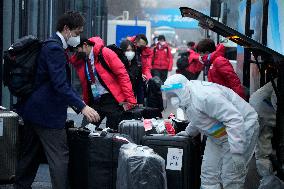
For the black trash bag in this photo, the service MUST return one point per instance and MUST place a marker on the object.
(140, 167)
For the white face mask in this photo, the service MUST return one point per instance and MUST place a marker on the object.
(163, 43)
(130, 55)
(175, 102)
(73, 41)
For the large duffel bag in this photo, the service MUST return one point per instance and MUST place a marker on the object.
(183, 159)
(93, 158)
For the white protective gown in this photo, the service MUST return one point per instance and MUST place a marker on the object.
(229, 122)
(264, 103)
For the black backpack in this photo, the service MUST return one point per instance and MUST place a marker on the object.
(154, 94)
(20, 64)
(120, 55)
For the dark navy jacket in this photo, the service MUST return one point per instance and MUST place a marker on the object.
(47, 106)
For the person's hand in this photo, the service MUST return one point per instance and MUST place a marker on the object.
(144, 77)
(239, 163)
(91, 114)
(182, 133)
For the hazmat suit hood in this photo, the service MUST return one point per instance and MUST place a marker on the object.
(176, 91)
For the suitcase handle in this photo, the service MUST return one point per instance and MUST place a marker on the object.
(4, 109)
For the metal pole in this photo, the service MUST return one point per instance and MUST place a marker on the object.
(247, 53)
(12, 37)
(1, 48)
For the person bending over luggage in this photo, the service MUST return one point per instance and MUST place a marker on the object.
(162, 61)
(109, 90)
(220, 70)
(264, 102)
(134, 69)
(45, 111)
(228, 121)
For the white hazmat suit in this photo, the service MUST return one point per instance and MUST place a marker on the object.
(264, 103)
(228, 121)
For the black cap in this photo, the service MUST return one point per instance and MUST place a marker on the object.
(161, 37)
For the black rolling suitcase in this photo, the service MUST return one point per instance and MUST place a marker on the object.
(93, 159)
(9, 125)
(133, 128)
(183, 159)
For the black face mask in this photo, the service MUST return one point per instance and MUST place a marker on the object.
(81, 55)
(141, 48)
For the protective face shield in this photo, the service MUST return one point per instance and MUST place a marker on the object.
(170, 97)
(130, 55)
(73, 41)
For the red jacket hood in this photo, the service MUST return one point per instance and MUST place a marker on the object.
(220, 51)
(132, 38)
(98, 44)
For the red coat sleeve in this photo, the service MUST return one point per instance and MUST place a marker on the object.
(170, 59)
(226, 70)
(195, 65)
(146, 59)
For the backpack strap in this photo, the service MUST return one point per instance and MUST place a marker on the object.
(103, 62)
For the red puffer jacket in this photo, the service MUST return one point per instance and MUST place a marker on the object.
(146, 59)
(195, 65)
(80, 67)
(222, 72)
(162, 57)
(117, 82)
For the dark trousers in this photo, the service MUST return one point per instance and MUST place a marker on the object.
(33, 139)
(162, 74)
(107, 107)
(140, 91)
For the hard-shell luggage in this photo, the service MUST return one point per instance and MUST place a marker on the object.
(134, 128)
(142, 112)
(183, 159)
(9, 125)
(140, 168)
(93, 158)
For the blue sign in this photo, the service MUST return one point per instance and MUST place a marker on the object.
(171, 18)
(126, 31)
